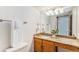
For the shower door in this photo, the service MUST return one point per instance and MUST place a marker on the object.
(5, 35)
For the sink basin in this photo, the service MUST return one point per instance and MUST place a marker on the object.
(45, 37)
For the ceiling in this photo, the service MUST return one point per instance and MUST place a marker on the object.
(44, 8)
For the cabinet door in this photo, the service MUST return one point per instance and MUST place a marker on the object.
(37, 45)
(48, 46)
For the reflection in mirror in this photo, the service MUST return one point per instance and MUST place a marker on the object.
(64, 25)
(60, 18)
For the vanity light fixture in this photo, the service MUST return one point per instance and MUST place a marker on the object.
(56, 11)
(61, 10)
(51, 12)
(47, 13)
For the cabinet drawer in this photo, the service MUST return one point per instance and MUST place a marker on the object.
(37, 40)
(48, 42)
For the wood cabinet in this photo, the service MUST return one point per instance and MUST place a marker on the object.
(37, 45)
(68, 47)
(48, 46)
(41, 45)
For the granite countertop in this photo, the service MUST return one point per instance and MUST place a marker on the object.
(73, 42)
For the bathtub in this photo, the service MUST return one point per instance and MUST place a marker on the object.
(19, 48)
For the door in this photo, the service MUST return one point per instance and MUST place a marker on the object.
(48, 46)
(37, 45)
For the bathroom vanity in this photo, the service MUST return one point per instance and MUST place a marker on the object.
(47, 43)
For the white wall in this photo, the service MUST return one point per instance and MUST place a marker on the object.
(75, 24)
(74, 21)
(32, 16)
(44, 21)
(26, 31)
(8, 12)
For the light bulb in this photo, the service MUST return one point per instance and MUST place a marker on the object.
(56, 11)
(61, 10)
(51, 12)
(47, 13)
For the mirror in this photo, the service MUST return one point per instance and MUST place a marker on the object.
(62, 21)
(64, 24)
